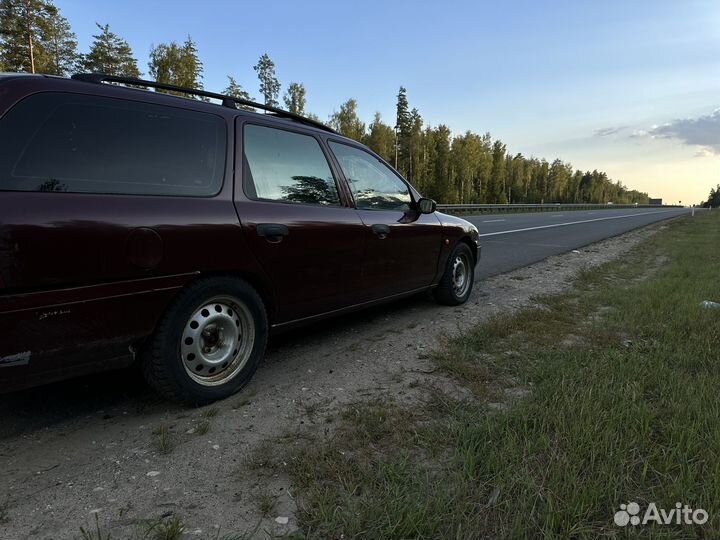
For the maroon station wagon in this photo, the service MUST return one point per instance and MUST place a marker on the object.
(136, 225)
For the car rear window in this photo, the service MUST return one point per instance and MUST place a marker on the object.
(87, 144)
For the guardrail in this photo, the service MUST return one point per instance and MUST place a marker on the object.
(496, 208)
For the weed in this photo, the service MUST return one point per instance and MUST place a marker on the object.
(266, 503)
(163, 439)
(262, 457)
(5, 511)
(95, 533)
(171, 528)
(211, 412)
(202, 427)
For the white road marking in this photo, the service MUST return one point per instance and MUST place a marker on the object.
(493, 220)
(557, 215)
(575, 222)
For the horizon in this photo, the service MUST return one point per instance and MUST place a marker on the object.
(638, 100)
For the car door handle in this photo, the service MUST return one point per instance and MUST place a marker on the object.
(272, 230)
(381, 230)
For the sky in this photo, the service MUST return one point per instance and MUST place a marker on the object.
(629, 87)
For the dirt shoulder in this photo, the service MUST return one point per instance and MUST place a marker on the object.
(107, 446)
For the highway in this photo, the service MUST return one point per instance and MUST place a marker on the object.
(511, 241)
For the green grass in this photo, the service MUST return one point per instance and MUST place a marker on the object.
(94, 533)
(5, 511)
(163, 439)
(266, 503)
(203, 427)
(212, 412)
(616, 385)
(170, 528)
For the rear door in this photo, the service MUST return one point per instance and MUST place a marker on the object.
(298, 221)
(101, 200)
(403, 246)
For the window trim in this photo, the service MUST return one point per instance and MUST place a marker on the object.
(224, 170)
(358, 146)
(342, 203)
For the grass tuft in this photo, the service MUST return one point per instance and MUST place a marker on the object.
(211, 412)
(96, 533)
(5, 512)
(163, 439)
(171, 528)
(202, 427)
(266, 503)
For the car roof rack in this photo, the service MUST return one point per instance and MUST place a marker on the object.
(227, 101)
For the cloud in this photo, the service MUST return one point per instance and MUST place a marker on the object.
(703, 131)
(639, 134)
(608, 131)
(703, 153)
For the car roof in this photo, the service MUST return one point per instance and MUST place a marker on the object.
(84, 80)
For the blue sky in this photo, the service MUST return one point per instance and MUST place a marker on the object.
(630, 87)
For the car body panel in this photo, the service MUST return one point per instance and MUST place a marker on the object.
(404, 259)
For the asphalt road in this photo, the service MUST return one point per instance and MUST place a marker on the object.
(515, 240)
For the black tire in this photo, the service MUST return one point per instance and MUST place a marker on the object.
(448, 292)
(222, 322)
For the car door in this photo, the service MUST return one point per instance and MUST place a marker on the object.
(298, 221)
(403, 246)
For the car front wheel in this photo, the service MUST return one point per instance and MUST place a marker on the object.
(209, 343)
(457, 282)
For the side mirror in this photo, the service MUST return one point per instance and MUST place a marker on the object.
(426, 206)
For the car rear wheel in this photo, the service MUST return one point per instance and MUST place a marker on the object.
(209, 343)
(457, 282)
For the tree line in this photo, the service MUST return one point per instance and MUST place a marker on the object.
(466, 168)
(713, 199)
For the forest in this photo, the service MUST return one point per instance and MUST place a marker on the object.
(450, 168)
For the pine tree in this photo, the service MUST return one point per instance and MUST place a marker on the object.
(176, 64)
(414, 137)
(714, 198)
(61, 47)
(295, 98)
(110, 54)
(35, 38)
(347, 122)
(19, 34)
(269, 85)
(235, 90)
(403, 127)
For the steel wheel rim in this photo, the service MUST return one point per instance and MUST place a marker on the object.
(460, 276)
(217, 341)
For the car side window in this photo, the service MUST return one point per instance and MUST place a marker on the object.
(88, 144)
(373, 184)
(282, 165)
